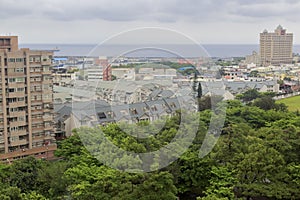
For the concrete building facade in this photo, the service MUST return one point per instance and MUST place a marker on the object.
(26, 117)
(276, 47)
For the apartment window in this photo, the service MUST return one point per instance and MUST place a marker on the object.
(173, 105)
(20, 80)
(38, 97)
(13, 110)
(20, 70)
(20, 89)
(12, 129)
(11, 80)
(46, 87)
(21, 118)
(46, 96)
(110, 114)
(11, 60)
(14, 138)
(46, 78)
(11, 90)
(22, 127)
(19, 59)
(46, 68)
(47, 133)
(153, 108)
(12, 100)
(133, 111)
(34, 59)
(101, 115)
(22, 137)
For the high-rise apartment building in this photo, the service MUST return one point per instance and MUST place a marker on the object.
(106, 69)
(26, 103)
(276, 47)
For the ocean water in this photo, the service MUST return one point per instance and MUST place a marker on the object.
(211, 50)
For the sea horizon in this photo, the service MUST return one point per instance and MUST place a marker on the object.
(134, 50)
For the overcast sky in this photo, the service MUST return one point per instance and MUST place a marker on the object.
(92, 21)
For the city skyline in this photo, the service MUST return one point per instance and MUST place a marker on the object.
(90, 22)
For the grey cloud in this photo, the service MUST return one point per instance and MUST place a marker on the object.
(117, 10)
(267, 9)
(15, 8)
(163, 11)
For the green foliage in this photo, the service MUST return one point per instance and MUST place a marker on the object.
(267, 103)
(50, 179)
(256, 157)
(33, 196)
(249, 95)
(23, 173)
(10, 193)
(221, 184)
(254, 73)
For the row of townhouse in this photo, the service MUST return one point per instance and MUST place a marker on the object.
(73, 115)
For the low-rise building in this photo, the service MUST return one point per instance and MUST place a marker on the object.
(91, 113)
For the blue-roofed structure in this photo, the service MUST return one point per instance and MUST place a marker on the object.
(60, 59)
(186, 68)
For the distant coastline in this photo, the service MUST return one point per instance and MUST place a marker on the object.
(214, 50)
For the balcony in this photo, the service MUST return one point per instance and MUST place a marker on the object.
(47, 100)
(16, 94)
(47, 72)
(15, 74)
(18, 133)
(37, 120)
(46, 62)
(17, 123)
(47, 81)
(49, 91)
(18, 142)
(17, 104)
(36, 101)
(38, 141)
(15, 64)
(48, 128)
(37, 129)
(35, 150)
(17, 114)
(16, 85)
(47, 118)
(48, 110)
(35, 75)
(36, 92)
(36, 111)
(38, 138)
(48, 137)
(35, 82)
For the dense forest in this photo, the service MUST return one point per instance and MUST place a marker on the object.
(256, 157)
